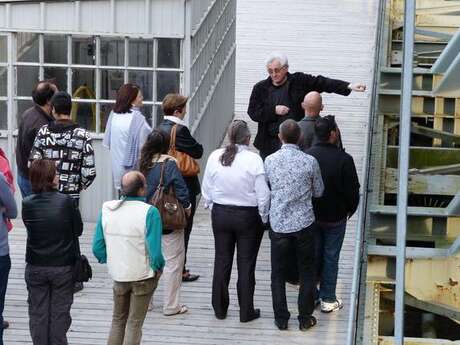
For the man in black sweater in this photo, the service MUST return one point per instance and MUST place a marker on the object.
(31, 121)
(338, 203)
(279, 97)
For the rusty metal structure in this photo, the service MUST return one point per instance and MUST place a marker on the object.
(429, 287)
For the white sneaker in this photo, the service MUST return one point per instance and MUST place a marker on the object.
(329, 307)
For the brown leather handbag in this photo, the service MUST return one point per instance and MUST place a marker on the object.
(171, 211)
(186, 164)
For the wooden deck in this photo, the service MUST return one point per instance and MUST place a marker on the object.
(92, 308)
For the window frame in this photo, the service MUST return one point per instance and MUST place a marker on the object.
(153, 103)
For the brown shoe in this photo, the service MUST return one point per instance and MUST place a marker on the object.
(6, 324)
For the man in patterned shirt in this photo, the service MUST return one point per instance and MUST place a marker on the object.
(294, 178)
(69, 146)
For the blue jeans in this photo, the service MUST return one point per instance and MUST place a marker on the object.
(329, 240)
(5, 266)
(24, 185)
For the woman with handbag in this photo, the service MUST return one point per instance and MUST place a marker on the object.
(234, 187)
(167, 190)
(53, 222)
(185, 148)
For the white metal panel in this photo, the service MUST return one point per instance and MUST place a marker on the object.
(199, 10)
(25, 16)
(102, 188)
(59, 16)
(168, 18)
(2, 16)
(130, 16)
(94, 16)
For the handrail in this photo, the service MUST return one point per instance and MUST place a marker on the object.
(203, 18)
(360, 227)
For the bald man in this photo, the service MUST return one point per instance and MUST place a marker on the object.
(312, 105)
(128, 239)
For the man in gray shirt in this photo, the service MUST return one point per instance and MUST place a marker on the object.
(312, 105)
(294, 178)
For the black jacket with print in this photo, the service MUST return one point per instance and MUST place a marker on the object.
(69, 145)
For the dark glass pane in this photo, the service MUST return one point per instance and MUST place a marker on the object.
(111, 81)
(84, 114)
(55, 49)
(26, 79)
(169, 53)
(3, 115)
(83, 83)
(145, 81)
(3, 47)
(83, 50)
(167, 82)
(106, 108)
(21, 107)
(147, 111)
(158, 114)
(3, 80)
(27, 47)
(58, 75)
(112, 52)
(140, 53)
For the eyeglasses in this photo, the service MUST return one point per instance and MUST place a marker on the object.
(275, 70)
(239, 120)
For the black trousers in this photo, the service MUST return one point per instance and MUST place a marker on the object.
(282, 246)
(50, 299)
(189, 226)
(240, 226)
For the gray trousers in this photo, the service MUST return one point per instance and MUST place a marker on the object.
(130, 303)
(50, 299)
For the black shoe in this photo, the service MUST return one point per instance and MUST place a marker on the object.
(221, 316)
(307, 324)
(188, 277)
(78, 286)
(255, 315)
(281, 324)
(6, 324)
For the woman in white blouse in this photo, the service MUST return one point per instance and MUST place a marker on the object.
(235, 188)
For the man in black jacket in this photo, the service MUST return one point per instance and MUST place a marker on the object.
(279, 98)
(337, 204)
(174, 108)
(31, 121)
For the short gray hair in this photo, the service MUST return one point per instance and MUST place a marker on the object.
(281, 57)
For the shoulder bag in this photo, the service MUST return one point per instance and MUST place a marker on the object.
(186, 164)
(171, 211)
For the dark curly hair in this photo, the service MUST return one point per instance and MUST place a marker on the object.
(157, 143)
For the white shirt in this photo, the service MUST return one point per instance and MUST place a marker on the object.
(119, 140)
(243, 183)
(176, 120)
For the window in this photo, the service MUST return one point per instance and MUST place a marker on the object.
(92, 69)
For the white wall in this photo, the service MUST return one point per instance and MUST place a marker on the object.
(334, 38)
(151, 17)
